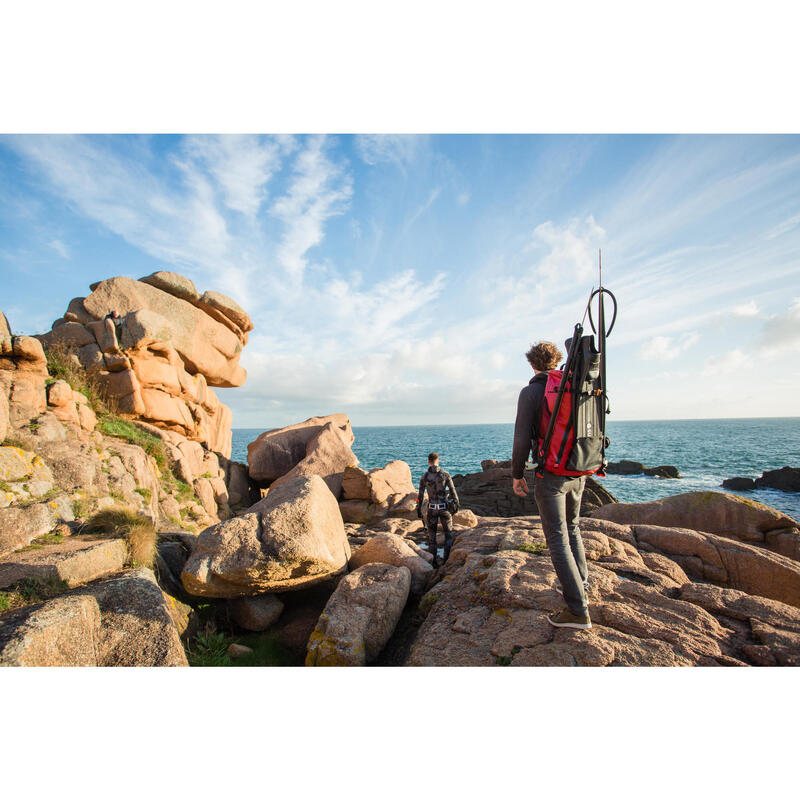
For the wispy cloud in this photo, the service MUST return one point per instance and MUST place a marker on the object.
(397, 149)
(60, 248)
(667, 348)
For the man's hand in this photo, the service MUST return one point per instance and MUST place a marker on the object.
(520, 487)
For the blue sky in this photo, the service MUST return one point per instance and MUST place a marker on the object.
(400, 279)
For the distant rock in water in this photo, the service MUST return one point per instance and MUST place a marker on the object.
(786, 479)
(489, 493)
(637, 468)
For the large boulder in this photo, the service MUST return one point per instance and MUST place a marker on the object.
(122, 621)
(389, 548)
(327, 455)
(20, 525)
(712, 512)
(360, 617)
(291, 539)
(276, 452)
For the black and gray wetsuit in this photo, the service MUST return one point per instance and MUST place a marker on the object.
(439, 486)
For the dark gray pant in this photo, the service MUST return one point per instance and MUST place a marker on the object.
(434, 518)
(559, 501)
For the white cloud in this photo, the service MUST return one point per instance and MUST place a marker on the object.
(666, 348)
(397, 149)
(782, 331)
(463, 198)
(783, 227)
(319, 189)
(748, 309)
(60, 248)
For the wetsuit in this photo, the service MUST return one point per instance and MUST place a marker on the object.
(439, 486)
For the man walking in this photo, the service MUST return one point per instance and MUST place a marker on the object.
(442, 497)
(558, 497)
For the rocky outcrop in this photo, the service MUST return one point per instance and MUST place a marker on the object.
(713, 512)
(489, 493)
(637, 468)
(122, 621)
(785, 479)
(318, 446)
(292, 538)
(389, 548)
(360, 616)
(256, 613)
(499, 586)
(158, 361)
(370, 496)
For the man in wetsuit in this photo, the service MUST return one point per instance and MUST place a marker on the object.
(558, 497)
(441, 492)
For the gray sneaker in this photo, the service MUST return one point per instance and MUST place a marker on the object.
(566, 619)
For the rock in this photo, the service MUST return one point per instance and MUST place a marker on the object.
(625, 468)
(739, 484)
(228, 308)
(723, 560)
(327, 455)
(355, 484)
(785, 479)
(388, 548)
(59, 393)
(75, 561)
(173, 284)
(238, 650)
(712, 512)
(465, 518)
(294, 537)
(19, 526)
(637, 468)
(277, 451)
(255, 613)
(120, 621)
(205, 345)
(59, 633)
(491, 608)
(360, 616)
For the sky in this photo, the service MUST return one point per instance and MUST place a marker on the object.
(400, 279)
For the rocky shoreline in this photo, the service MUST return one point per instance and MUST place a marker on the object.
(128, 537)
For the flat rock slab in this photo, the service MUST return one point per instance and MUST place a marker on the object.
(74, 562)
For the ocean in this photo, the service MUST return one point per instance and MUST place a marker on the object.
(704, 451)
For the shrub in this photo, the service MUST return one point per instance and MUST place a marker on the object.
(62, 364)
(137, 530)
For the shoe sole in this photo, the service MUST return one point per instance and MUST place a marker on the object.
(582, 626)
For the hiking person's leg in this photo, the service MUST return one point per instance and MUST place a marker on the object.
(447, 527)
(433, 524)
(573, 508)
(551, 501)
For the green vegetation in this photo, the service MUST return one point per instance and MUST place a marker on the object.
(206, 475)
(138, 531)
(112, 425)
(145, 493)
(32, 501)
(118, 496)
(29, 591)
(4, 487)
(80, 507)
(47, 538)
(209, 649)
(427, 603)
(537, 548)
(63, 364)
(10, 441)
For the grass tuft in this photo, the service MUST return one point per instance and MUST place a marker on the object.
(63, 364)
(29, 591)
(138, 531)
(537, 548)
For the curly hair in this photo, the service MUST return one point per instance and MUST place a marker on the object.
(544, 356)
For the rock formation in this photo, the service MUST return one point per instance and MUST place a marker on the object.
(318, 446)
(713, 512)
(637, 468)
(158, 361)
(499, 586)
(368, 497)
(785, 479)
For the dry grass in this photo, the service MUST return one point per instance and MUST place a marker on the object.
(138, 531)
(63, 364)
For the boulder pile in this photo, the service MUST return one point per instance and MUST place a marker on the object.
(785, 479)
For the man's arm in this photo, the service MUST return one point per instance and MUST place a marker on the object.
(524, 429)
(421, 496)
(452, 488)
